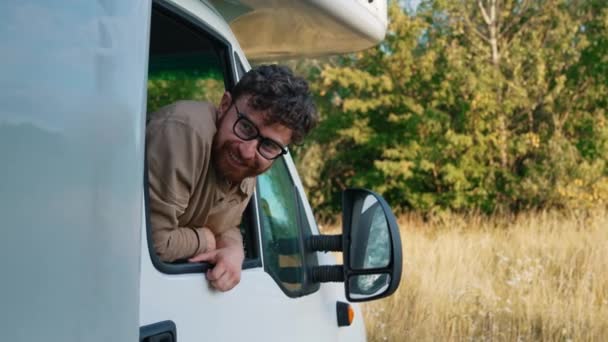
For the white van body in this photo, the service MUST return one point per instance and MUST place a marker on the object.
(77, 262)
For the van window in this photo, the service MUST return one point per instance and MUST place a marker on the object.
(190, 62)
(283, 226)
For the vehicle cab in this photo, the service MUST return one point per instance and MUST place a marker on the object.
(73, 191)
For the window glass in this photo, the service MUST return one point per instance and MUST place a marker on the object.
(279, 216)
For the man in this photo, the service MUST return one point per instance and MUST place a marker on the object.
(202, 163)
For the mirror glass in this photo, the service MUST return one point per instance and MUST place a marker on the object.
(370, 239)
(368, 285)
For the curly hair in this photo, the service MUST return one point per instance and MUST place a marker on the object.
(284, 96)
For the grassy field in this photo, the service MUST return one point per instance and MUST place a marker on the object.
(534, 277)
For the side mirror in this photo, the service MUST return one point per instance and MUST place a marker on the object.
(371, 245)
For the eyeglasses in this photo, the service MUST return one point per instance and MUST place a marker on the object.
(246, 130)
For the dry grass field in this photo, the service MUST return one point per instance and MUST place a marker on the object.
(533, 277)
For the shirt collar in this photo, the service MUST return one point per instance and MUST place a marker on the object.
(243, 189)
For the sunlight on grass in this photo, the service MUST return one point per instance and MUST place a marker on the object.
(535, 277)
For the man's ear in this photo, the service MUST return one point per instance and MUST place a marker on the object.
(225, 103)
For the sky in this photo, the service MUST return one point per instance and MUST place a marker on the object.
(410, 4)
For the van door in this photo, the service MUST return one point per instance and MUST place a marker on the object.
(194, 56)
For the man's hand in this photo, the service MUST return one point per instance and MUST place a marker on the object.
(228, 259)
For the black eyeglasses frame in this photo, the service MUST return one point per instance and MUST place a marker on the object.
(258, 136)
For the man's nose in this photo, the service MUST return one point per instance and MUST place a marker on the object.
(248, 149)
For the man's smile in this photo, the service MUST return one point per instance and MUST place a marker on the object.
(234, 159)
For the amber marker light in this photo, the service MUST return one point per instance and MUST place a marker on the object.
(345, 313)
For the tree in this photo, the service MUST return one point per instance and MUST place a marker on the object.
(468, 105)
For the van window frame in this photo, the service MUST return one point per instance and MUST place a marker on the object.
(240, 68)
(252, 239)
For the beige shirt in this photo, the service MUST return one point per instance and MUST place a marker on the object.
(186, 193)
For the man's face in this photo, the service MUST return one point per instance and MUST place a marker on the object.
(234, 158)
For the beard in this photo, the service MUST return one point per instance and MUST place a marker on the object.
(229, 165)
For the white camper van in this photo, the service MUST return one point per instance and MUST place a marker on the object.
(77, 80)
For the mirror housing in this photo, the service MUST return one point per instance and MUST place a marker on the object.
(371, 244)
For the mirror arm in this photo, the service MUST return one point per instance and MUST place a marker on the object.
(324, 243)
(325, 274)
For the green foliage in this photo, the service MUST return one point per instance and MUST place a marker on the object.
(166, 87)
(468, 105)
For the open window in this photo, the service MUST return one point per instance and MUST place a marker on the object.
(186, 61)
(190, 61)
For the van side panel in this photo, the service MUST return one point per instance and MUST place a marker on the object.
(71, 167)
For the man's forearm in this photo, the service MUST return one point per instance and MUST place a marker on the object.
(179, 243)
(230, 238)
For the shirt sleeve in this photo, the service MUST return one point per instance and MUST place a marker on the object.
(175, 154)
(229, 213)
